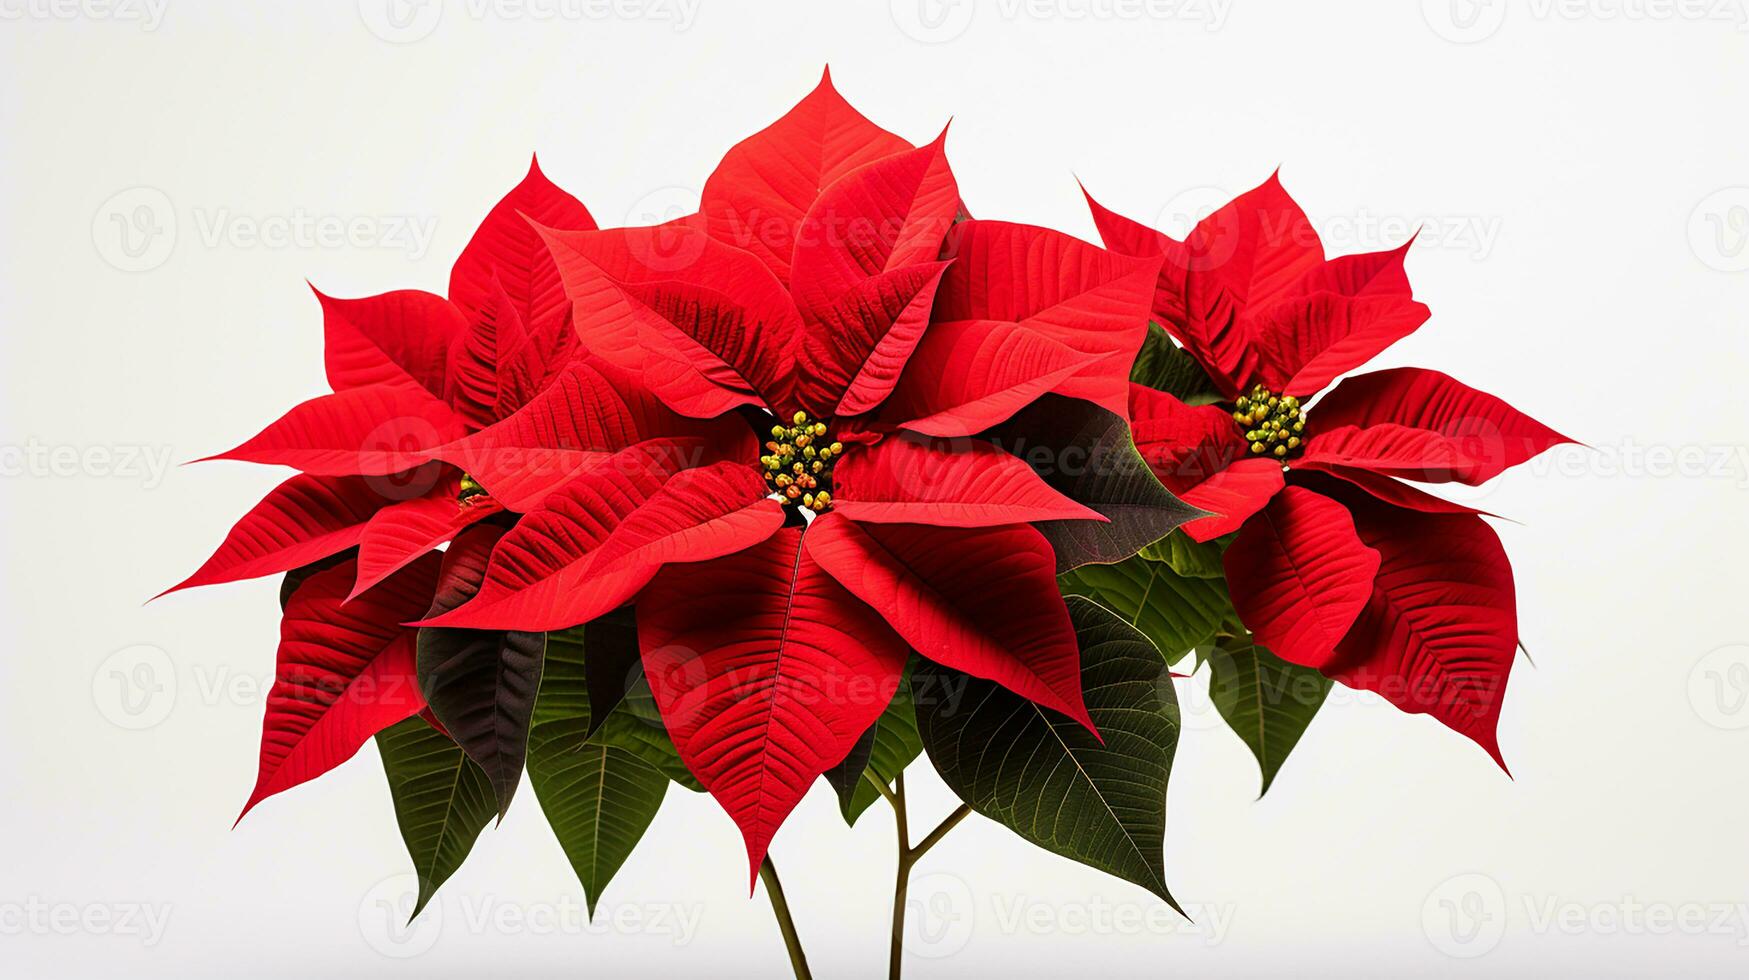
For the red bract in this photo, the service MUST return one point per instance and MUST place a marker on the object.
(826, 297)
(1336, 565)
(410, 371)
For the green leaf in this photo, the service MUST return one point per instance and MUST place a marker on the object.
(1266, 700)
(1176, 613)
(1050, 780)
(636, 724)
(1164, 366)
(890, 745)
(598, 799)
(611, 661)
(1087, 454)
(442, 800)
(1189, 558)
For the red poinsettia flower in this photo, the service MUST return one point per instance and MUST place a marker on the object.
(410, 371)
(1337, 565)
(774, 448)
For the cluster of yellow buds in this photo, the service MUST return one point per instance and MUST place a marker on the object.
(470, 489)
(1273, 426)
(798, 463)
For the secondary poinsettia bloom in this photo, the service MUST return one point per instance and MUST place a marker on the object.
(1337, 564)
(410, 371)
(777, 448)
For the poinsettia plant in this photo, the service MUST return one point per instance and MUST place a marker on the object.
(829, 475)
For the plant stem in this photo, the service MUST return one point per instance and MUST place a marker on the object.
(798, 960)
(908, 858)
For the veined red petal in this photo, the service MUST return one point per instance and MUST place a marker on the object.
(758, 194)
(370, 431)
(854, 350)
(303, 520)
(1184, 445)
(983, 601)
(1485, 431)
(1395, 450)
(399, 533)
(597, 541)
(400, 338)
(1127, 237)
(345, 672)
(1233, 494)
(1380, 487)
(506, 248)
(947, 483)
(478, 354)
(766, 672)
(967, 376)
(1311, 340)
(1090, 300)
(707, 325)
(1299, 575)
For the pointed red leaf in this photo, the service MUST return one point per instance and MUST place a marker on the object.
(766, 672)
(1184, 445)
(587, 414)
(1234, 494)
(1342, 314)
(1439, 632)
(965, 377)
(506, 248)
(983, 601)
(400, 533)
(1127, 237)
(854, 350)
(400, 338)
(1484, 431)
(371, 431)
(707, 327)
(1081, 296)
(758, 194)
(1299, 575)
(948, 483)
(304, 519)
(1380, 487)
(346, 672)
(1395, 450)
(478, 354)
(597, 541)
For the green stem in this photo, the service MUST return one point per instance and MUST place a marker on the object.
(798, 960)
(908, 858)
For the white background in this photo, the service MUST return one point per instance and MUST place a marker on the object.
(1581, 173)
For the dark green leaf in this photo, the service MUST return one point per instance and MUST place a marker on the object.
(636, 725)
(1266, 700)
(884, 751)
(480, 684)
(598, 799)
(1050, 780)
(1085, 453)
(611, 661)
(442, 800)
(1175, 612)
(1164, 366)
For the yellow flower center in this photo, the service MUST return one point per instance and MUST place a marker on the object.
(1274, 426)
(798, 463)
